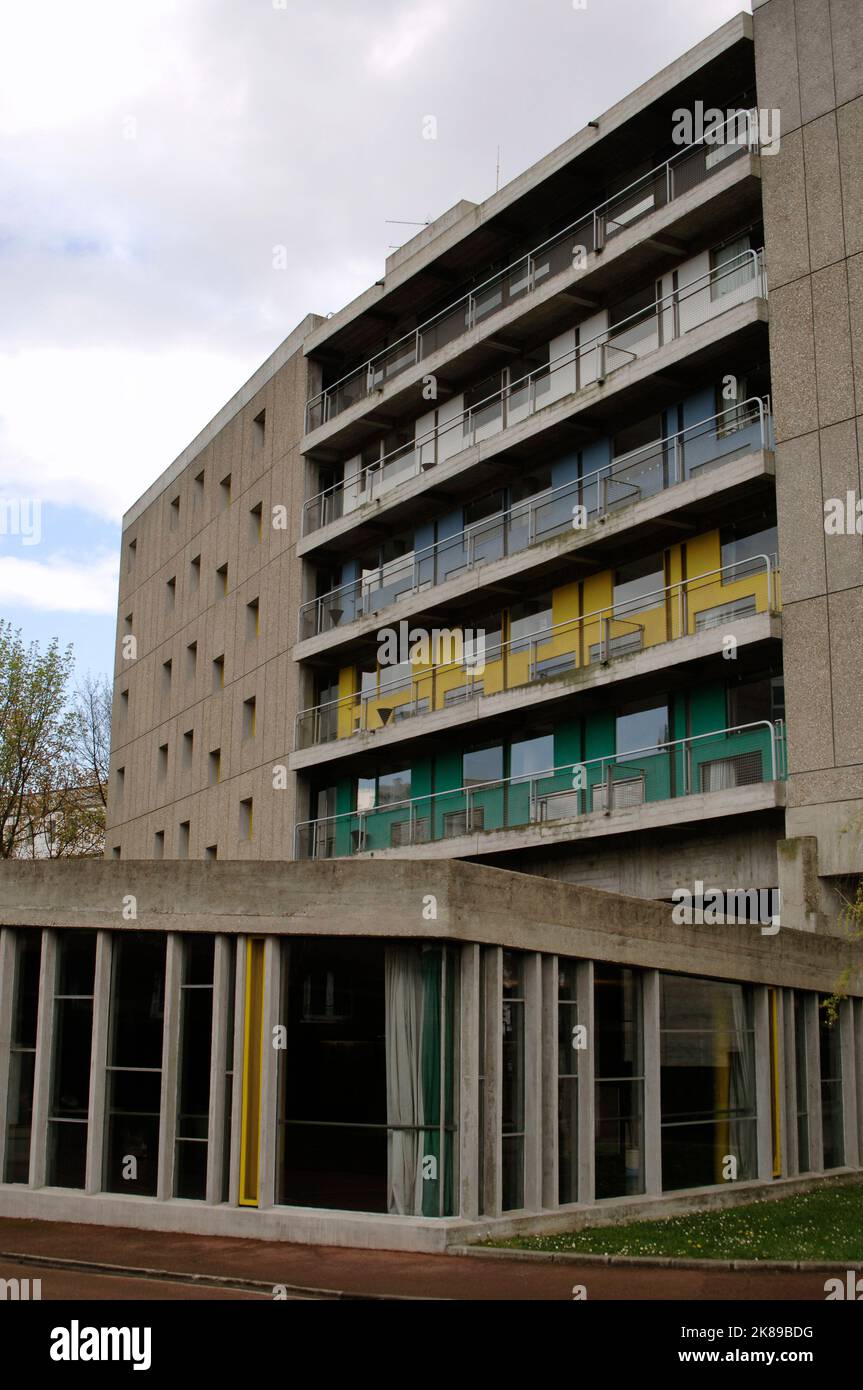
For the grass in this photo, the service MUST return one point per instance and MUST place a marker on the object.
(826, 1224)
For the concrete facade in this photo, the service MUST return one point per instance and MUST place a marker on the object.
(568, 417)
(809, 61)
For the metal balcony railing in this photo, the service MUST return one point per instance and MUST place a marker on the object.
(684, 608)
(631, 477)
(670, 180)
(658, 323)
(745, 755)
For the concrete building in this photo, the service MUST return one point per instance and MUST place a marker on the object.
(499, 575)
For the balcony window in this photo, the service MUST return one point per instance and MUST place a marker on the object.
(730, 266)
(733, 414)
(531, 755)
(481, 765)
(640, 727)
(527, 620)
(638, 586)
(741, 546)
(619, 1084)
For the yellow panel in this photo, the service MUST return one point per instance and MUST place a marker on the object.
(253, 1056)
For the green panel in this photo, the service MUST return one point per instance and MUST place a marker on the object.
(707, 708)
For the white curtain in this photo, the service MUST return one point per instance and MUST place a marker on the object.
(742, 1132)
(404, 1022)
(719, 775)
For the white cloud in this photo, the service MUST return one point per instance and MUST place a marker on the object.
(401, 39)
(60, 585)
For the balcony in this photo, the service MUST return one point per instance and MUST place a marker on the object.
(554, 257)
(666, 320)
(729, 594)
(573, 799)
(630, 478)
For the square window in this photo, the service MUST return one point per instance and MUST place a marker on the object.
(225, 491)
(253, 619)
(215, 764)
(247, 818)
(218, 673)
(249, 717)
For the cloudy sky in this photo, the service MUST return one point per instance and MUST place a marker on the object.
(152, 155)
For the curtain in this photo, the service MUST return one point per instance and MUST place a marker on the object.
(404, 988)
(413, 977)
(719, 775)
(741, 1099)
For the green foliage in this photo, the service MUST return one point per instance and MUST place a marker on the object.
(851, 921)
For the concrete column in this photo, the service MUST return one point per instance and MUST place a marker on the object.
(533, 1081)
(170, 1067)
(270, 1073)
(7, 986)
(849, 1083)
(550, 1187)
(813, 1085)
(586, 1086)
(468, 1074)
(44, 1050)
(237, 1043)
(223, 984)
(790, 1155)
(98, 1062)
(493, 1045)
(652, 1098)
(763, 1089)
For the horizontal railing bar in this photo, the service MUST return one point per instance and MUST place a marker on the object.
(604, 337)
(500, 275)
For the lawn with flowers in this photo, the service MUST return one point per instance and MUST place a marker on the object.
(826, 1224)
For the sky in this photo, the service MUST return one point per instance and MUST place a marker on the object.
(153, 158)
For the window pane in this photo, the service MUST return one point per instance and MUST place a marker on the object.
(394, 787)
(482, 765)
(642, 729)
(531, 755)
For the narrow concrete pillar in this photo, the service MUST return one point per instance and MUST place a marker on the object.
(493, 1058)
(652, 1083)
(586, 1085)
(550, 1188)
(790, 1155)
(813, 1084)
(44, 1050)
(849, 1082)
(468, 1073)
(221, 1047)
(763, 1089)
(237, 1043)
(7, 986)
(97, 1107)
(782, 1079)
(270, 1057)
(533, 1081)
(170, 1067)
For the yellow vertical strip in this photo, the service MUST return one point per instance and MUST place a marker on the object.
(776, 1108)
(253, 1054)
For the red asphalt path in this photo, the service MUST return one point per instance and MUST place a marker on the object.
(380, 1273)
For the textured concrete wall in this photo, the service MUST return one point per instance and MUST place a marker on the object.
(159, 794)
(809, 62)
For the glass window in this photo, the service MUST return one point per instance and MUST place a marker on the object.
(641, 728)
(756, 700)
(531, 755)
(741, 546)
(567, 1081)
(22, 1059)
(638, 586)
(528, 619)
(70, 1079)
(366, 1114)
(831, 1089)
(193, 1099)
(512, 1083)
(394, 787)
(482, 765)
(731, 266)
(366, 788)
(619, 1082)
(707, 1059)
(490, 505)
(135, 1062)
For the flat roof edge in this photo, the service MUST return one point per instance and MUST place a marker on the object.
(737, 28)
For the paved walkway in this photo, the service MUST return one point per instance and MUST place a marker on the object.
(376, 1273)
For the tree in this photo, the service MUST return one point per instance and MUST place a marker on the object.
(92, 733)
(35, 734)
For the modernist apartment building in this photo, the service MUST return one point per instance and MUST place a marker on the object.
(517, 563)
